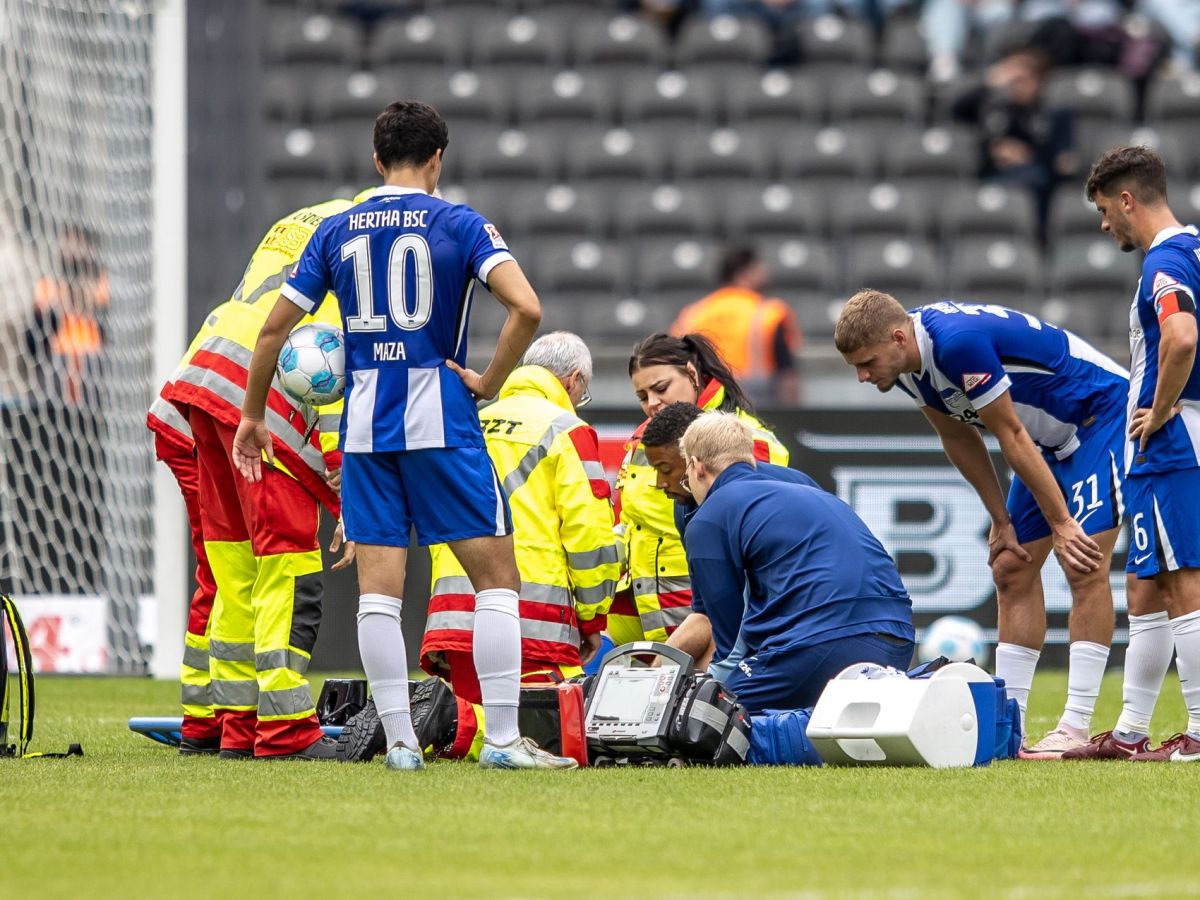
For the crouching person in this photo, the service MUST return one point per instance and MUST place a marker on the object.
(788, 567)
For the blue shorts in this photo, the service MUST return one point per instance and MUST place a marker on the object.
(448, 493)
(1164, 522)
(1092, 481)
(793, 678)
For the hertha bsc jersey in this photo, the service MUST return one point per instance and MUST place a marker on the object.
(1170, 283)
(402, 265)
(970, 355)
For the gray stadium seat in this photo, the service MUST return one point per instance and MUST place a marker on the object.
(304, 153)
(886, 208)
(665, 211)
(1174, 99)
(988, 270)
(1092, 94)
(987, 210)
(561, 210)
(778, 210)
(724, 154)
(420, 42)
(675, 270)
(618, 155)
(620, 322)
(523, 43)
(799, 266)
(1072, 215)
(354, 98)
(904, 47)
(759, 98)
(829, 41)
(824, 153)
(512, 156)
(491, 202)
(1175, 143)
(467, 97)
(286, 194)
(284, 99)
(942, 155)
(313, 40)
(567, 264)
(1093, 267)
(724, 44)
(618, 43)
(1185, 203)
(904, 268)
(670, 102)
(566, 100)
(882, 97)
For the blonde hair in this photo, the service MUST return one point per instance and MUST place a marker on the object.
(718, 439)
(866, 319)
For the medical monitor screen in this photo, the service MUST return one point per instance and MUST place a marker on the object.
(625, 697)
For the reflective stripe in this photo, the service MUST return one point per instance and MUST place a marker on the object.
(531, 629)
(671, 617)
(234, 693)
(270, 283)
(590, 596)
(231, 651)
(195, 658)
(450, 621)
(590, 559)
(594, 470)
(453, 584)
(281, 659)
(645, 586)
(535, 454)
(709, 715)
(196, 695)
(168, 413)
(286, 702)
(530, 590)
(329, 423)
(738, 741)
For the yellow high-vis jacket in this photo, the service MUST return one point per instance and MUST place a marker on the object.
(548, 460)
(659, 594)
(213, 373)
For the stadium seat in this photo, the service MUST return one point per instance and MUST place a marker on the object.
(569, 264)
(1092, 94)
(723, 45)
(675, 271)
(1174, 142)
(991, 270)
(904, 47)
(670, 102)
(491, 202)
(619, 323)
(825, 153)
(283, 100)
(665, 211)
(315, 40)
(905, 268)
(1185, 203)
(565, 100)
(467, 97)
(1072, 215)
(817, 313)
(512, 156)
(881, 98)
(721, 155)
(987, 210)
(618, 44)
(1093, 267)
(942, 155)
(421, 42)
(302, 153)
(831, 42)
(617, 156)
(755, 99)
(778, 210)
(355, 98)
(561, 210)
(487, 316)
(885, 208)
(1171, 100)
(285, 194)
(525, 44)
(799, 266)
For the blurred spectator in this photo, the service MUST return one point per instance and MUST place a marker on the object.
(949, 23)
(1022, 142)
(16, 279)
(757, 336)
(66, 336)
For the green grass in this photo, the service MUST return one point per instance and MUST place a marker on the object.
(132, 819)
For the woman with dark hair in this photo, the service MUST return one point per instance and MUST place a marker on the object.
(665, 370)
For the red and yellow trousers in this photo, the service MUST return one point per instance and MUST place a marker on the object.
(261, 542)
(199, 720)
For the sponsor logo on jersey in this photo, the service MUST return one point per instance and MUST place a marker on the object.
(494, 234)
(1164, 282)
(973, 380)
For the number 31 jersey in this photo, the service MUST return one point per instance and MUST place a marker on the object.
(402, 265)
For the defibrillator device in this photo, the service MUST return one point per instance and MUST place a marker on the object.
(647, 703)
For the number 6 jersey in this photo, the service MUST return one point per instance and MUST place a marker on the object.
(402, 265)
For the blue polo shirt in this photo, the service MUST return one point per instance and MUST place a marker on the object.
(685, 511)
(813, 570)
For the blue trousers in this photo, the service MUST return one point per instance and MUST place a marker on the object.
(793, 678)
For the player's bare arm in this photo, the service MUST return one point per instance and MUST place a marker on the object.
(694, 637)
(253, 438)
(508, 284)
(1073, 546)
(1176, 355)
(966, 450)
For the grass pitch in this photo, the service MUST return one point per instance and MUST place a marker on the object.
(132, 819)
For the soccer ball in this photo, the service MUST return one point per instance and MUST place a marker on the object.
(312, 364)
(955, 637)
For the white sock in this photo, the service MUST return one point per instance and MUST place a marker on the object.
(1085, 673)
(1151, 646)
(1186, 629)
(1016, 665)
(497, 654)
(381, 647)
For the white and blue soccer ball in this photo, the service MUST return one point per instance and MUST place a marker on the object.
(955, 637)
(312, 364)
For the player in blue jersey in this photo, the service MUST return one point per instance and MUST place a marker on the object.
(402, 264)
(1055, 405)
(789, 570)
(1162, 456)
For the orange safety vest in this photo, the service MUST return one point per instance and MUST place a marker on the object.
(742, 326)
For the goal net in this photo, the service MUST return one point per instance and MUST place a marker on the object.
(76, 325)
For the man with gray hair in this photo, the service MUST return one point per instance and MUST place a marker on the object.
(548, 460)
(822, 593)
